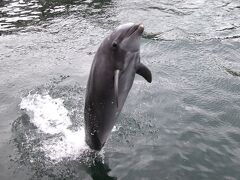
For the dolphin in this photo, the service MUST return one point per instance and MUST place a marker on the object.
(113, 70)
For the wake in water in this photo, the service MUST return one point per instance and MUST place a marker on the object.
(49, 135)
(51, 129)
(51, 117)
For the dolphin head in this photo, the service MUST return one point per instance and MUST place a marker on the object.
(123, 41)
(123, 47)
(127, 37)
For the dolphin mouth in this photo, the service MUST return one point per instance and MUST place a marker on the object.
(137, 28)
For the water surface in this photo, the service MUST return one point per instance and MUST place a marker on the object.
(184, 125)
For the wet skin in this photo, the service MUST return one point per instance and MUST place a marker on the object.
(115, 64)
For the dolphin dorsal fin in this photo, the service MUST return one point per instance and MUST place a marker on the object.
(143, 71)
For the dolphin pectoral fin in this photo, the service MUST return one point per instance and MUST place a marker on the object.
(116, 78)
(143, 71)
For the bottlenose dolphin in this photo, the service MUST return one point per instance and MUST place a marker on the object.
(115, 64)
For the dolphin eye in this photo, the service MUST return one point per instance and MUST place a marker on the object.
(114, 45)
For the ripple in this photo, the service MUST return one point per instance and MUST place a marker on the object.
(232, 72)
(170, 10)
(34, 12)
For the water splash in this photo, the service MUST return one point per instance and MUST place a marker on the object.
(51, 117)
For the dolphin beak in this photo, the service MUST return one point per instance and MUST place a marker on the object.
(141, 28)
(116, 78)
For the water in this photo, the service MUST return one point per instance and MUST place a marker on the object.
(184, 125)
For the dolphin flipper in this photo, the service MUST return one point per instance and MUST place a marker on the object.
(143, 71)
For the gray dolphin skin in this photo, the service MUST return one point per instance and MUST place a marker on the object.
(115, 64)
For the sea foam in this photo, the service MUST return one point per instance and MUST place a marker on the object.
(51, 117)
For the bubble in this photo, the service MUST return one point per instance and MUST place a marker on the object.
(51, 117)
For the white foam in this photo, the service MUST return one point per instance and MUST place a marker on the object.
(51, 117)
(71, 145)
(115, 128)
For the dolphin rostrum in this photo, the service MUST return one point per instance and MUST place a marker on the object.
(115, 64)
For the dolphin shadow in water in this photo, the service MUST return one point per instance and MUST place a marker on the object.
(99, 170)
